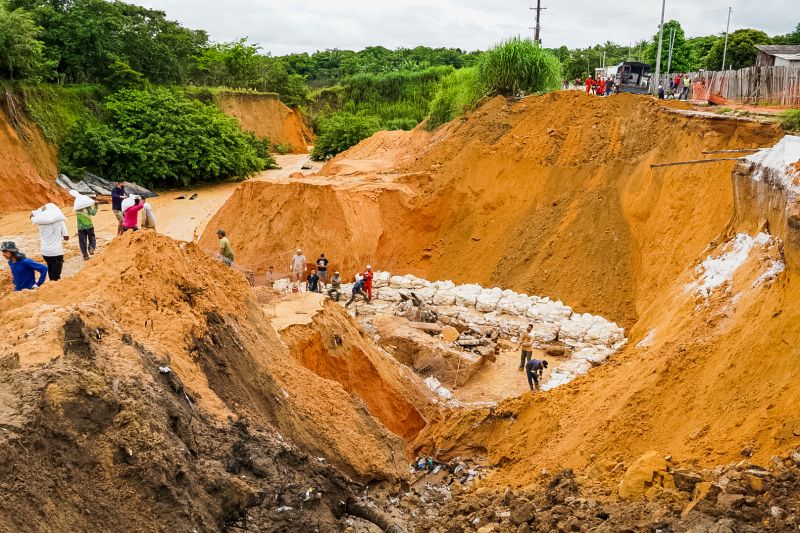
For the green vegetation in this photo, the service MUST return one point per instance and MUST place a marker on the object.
(56, 109)
(790, 120)
(518, 67)
(21, 52)
(342, 130)
(283, 148)
(160, 138)
(456, 94)
(741, 50)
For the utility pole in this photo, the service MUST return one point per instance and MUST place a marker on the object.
(727, 29)
(654, 87)
(671, 45)
(538, 27)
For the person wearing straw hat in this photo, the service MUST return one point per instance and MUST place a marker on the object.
(335, 290)
(23, 270)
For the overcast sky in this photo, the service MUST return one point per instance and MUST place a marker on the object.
(287, 26)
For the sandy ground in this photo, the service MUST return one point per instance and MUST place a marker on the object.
(497, 381)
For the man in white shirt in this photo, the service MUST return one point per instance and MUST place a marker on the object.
(148, 217)
(298, 266)
(52, 234)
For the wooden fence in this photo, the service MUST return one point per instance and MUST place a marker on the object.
(768, 86)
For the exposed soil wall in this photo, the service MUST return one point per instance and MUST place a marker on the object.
(27, 166)
(266, 116)
(551, 195)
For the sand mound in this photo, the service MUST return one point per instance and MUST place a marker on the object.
(266, 116)
(152, 386)
(27, 166)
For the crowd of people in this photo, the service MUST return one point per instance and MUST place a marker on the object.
(51, 223)
(678, 88)
(602, 86)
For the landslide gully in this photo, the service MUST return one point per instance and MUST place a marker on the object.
(554, 196)
(550, 195)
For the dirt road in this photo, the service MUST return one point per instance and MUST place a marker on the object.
(180, 219)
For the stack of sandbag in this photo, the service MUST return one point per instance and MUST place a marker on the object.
(129, 202)
(49, 214)
(81, 200)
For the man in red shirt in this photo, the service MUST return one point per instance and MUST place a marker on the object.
(368, 281)
(601, 87)
(589, 83)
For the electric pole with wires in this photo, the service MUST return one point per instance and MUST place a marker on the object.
(654, 83)
(536, 29)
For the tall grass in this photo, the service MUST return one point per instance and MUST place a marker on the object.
(56, 109)
(517, 67)
(790, 120)
(456, 94)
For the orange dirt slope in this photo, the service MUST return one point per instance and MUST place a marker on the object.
(266, 116)
(27, 167)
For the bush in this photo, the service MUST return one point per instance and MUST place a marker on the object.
(518, 67)
(162, 139)
(340, 131)
(283, 148)
(790, 120)
(457, 93)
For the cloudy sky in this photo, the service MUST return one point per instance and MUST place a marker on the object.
(307, 25)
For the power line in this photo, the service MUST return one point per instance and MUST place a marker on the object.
(727, 29)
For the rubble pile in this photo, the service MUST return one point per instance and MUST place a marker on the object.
(655, 495)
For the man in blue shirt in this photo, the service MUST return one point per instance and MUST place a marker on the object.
(358, 289)
(534, 370)
(23, 270)
(117, 195)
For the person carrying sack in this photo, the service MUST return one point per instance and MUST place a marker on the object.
(52, 234)
(85, 208)
(23, 270)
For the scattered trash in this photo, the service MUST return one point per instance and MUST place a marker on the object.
(283, 509)
(164, 369)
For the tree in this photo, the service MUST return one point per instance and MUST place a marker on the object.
(680, 55)
(160, 138)
(21, 52)
(340, 131)
(789, 38)
(741, 49)
(698, 49)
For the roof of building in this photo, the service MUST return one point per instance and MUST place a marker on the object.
(779, 49)
(788, 57)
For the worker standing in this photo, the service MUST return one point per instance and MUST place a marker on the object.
(526, 346)
(298, 266)
(52, 234)
(322, 270)
(23, 270)
(534, 369)
(225, 250)
(117, 195)
(687, 82)
(368, 281)
(148, 217)
(601, 87)
(589, 84)
(130, 216)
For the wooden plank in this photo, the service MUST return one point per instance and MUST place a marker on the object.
(695, 162)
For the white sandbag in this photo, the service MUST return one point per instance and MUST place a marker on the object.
(488, 299)
(467, 295)
(128, 202)
(444, 297)
(81, 200)
(381, 279)
(49, 214)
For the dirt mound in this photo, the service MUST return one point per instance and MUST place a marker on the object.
(266, 116)
(152, 386)
(550, 195)
(27, 166)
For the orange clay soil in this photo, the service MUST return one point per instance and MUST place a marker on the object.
(27, 167)
(198, 317)
(554, 195)
(551, 195)
(266, 116)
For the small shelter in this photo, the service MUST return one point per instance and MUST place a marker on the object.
(778, 55)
